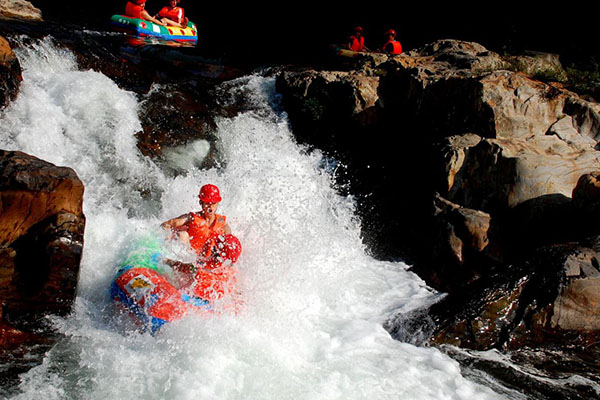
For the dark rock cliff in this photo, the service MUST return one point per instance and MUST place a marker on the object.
(472, 163)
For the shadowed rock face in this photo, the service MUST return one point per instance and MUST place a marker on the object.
(476, 162)
(171, 117)
(551, 299)
(41, 238)
(10, 73)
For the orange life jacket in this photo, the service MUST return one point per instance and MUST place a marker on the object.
(174, 14)
(203, 236)
(396, 47)
(357, 44)
(134, 10)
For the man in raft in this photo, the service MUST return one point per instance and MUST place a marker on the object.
(216, 278)
(212, 276)
(200, 228)
(391, 46)
(173, 15)
(356, 41)
(136, 9)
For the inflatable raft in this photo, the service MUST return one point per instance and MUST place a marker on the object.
(143, 28)
(142, 287)
(347, 53)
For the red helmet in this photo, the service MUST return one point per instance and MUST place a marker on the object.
(229, 247)
(358, 29)
(390, 32)
(209, 194)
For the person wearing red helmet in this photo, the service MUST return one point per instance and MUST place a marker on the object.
(136, 9)
(216, 277)
(201, 228)
(356, 41)
(391, 46)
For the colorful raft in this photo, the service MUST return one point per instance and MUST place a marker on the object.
(143, 28)
(143, 288)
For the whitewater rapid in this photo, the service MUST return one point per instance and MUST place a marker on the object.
(314, 300)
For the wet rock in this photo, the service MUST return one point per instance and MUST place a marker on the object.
(578, 305)
(19, 9)
(323, 98)
(32, 191)
(10, 73)
(41, 239)
(541, 221)
(172, 117)
(552, 298)
(460, 238)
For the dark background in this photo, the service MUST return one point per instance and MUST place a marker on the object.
(301, 32)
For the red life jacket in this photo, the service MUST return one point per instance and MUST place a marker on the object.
(396, 47)
(174, 14)
(203, 236)
(134, 9)
(357, 44)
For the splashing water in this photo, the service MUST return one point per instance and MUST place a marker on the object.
(314, 301)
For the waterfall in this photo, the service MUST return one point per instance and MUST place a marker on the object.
(315, 302)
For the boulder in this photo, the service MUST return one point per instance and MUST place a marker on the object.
(550, 299)
(33, 190)
(450, 155)
(494, 174)
(171, 117)
(459, 243)
(10, 73)
(41, 238)
(445, 88)
(451, 87)
(19, 9)
(449, 57)
(322, 97)
(536, 138)
(586, 194)
(500, 153)
(544, 66)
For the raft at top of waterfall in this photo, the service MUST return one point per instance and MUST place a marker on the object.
(168, 24)
(159, 287)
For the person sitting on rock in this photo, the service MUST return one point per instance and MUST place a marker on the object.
(136, 9)
(172, 15)
(392, 46)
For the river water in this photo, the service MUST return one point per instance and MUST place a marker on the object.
(315, 301)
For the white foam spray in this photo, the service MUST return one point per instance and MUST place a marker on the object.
(314, 301)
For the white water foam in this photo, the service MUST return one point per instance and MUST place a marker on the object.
(314, 301)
